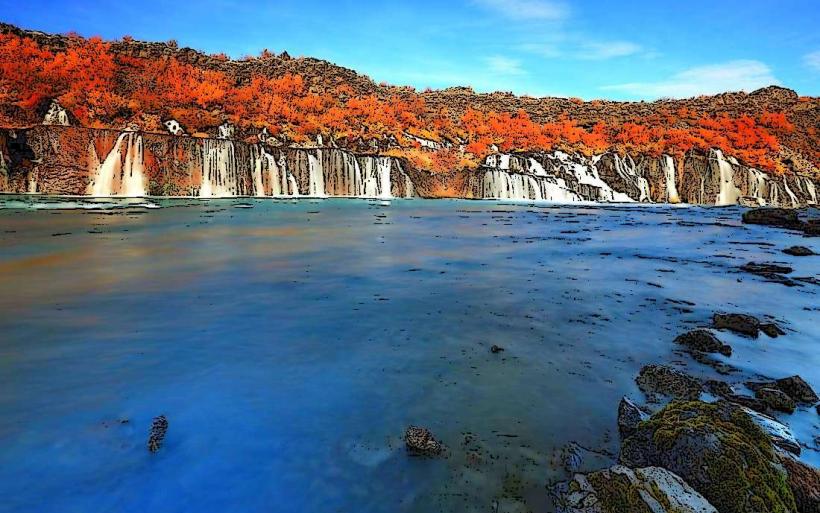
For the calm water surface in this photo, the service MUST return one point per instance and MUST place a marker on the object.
(290, 343)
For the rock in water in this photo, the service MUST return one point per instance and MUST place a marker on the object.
(421, 441)
(663, 380)
(779, 434)
(739, 323)
(623, 490)
(718, 450)
(496, 349)
(797, 388)
(159, 427)
(703, 341)
(776, 399)
(764, 269)
(805, 484)
(772, 330)
(798, 251)
(780, 217)
(630, 416)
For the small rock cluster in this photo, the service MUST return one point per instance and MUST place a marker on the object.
(159, 427)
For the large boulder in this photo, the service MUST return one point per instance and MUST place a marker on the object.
(421, 442)
(775, 399)
(623, 490)
(719, 450)
(661, 380)
(704, 341)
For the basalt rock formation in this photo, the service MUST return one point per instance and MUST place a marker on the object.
(69, 160)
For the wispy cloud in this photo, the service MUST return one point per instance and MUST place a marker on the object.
(812, 60)
(742, 75)
(500, 65)
(528, 9)
(608, 50)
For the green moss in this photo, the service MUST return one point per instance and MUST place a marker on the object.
(740, 473)
(616, 493)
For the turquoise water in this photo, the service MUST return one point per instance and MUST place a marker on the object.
(290, 343)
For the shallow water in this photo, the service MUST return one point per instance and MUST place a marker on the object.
(290, 343)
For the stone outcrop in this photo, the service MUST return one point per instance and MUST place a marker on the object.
(620, 489)
(82, 161)
(719, 451)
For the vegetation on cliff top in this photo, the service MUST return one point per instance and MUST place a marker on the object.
(106, 84)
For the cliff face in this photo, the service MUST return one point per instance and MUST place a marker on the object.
(81, 161)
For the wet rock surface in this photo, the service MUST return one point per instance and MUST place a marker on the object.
(779, 434)
(159, 427)
(704, 341)
(630, 415)
(421, 442)
(739, 323)
(794, 386)
(779, 217)
(661, 380)
(718, 450)
(776, 399)
(620, 490)
(771, 330)
(798, 251)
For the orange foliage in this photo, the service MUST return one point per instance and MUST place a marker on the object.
(103, 88)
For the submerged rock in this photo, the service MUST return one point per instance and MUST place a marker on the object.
(718, 450)
(776, 399)
(496, 349)
(764, 268)
(772, 330)
(620, 490)
(704, 341)
(739, 323)
(780, 217)
(630, 415)
(421, 441)
(666, 381)
(805, 484)
(798, 251)
(159, 426)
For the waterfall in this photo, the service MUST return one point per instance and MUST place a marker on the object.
(32, 181)
(758, 187)
(792, 197)
(376, 178)
(500, 184)
(625, 167)
(260, 162)
(118, 177)
(668, 165)
(219, 173)
(316, 184)
(729, 193)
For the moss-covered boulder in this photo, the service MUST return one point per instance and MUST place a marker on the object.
(719, 451)
(620, 490)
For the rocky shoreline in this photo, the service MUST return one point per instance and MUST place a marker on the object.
(693, 445)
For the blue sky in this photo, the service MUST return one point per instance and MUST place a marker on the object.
(591, 49)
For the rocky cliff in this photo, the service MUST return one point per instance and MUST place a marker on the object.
(55, 159)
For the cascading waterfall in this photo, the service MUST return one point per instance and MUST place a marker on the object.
(792, 197)
(729, 193)
(758, 186)
(219, 170)
(316, 184)
(376, 178)
(118, 177)
(668, 165)
(625, 167)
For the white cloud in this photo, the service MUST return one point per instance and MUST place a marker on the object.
(812, 60)
(528, 9)
(608, 50)
(500, 65)
(742, 75)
